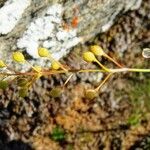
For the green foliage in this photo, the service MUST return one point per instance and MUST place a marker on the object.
(139, 97)
(58, 134)
(3, 84)
(134, 119)
(140, 94)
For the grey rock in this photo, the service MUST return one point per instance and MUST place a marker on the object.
(95, 16)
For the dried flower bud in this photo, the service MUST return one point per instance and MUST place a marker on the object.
(55, 65)
(43, 52)
(97, 50)
(88, 57)
(2, 64)
(18, 57)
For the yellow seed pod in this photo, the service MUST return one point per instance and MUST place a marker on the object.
(88, 56)
(43, 52)
(18, 57)
(97, 50)
(55, 65)
(2, 64)
(90, 94)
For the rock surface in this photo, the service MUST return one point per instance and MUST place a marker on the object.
(58, 25)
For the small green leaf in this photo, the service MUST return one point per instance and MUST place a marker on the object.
(56, 92)
(134, 119)
(58, 134)
(3, 85)
(23, 92)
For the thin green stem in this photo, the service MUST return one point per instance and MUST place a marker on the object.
(103, 82)
(61, 66)
(32, 67)
(138, 70)
(68, 79)
(50, 72)
(102, 66)
(111, 59)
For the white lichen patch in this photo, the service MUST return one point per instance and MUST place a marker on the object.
(11, 13)
(47, 31)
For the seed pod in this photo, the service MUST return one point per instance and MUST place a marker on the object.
(55, 65)
(56, 92)
(88, 56)
(146, 53)
(23, 92)
(22, 82)
(2, 64)
(3, 85)
(18, 57)
(97, 50)
(43, 52)
(91, 94)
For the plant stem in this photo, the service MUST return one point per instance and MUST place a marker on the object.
(32, 66)
(50, 72)
(61, 66)
(138, 70)
(68, 80)
(102, 66)
(103, 82)
(111, 59)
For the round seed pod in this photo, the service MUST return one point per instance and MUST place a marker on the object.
(56, 92)
(18, 57)
(97, 50)
(88, 56)
(55, 65)
(43, 52)
(22, 82)
(91, 94)
(23, 92)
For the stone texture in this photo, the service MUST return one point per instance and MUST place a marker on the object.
(94, 16)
